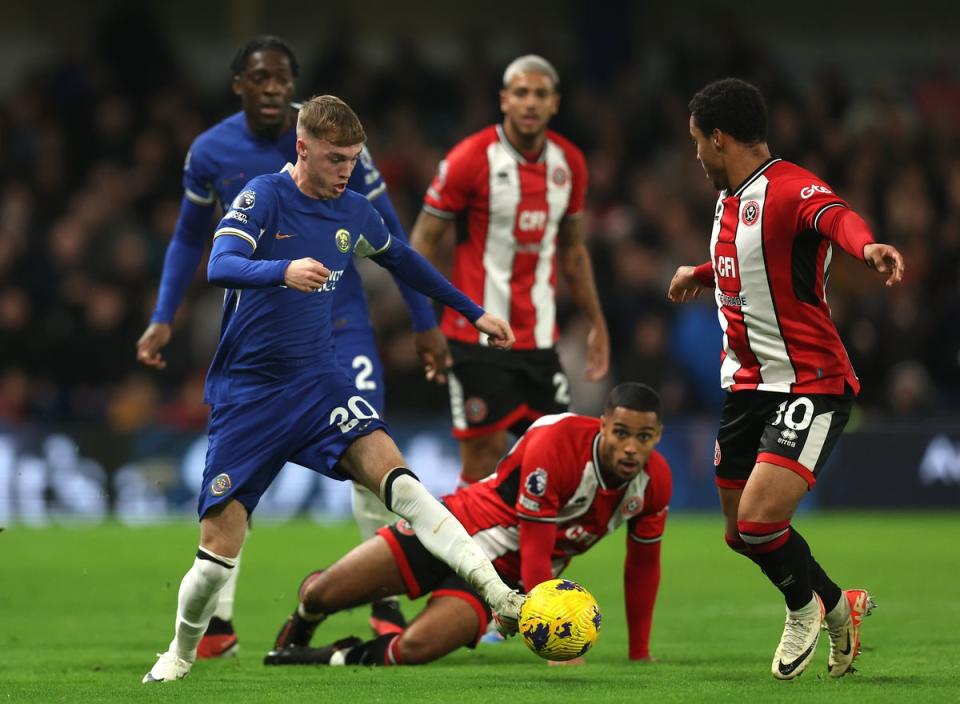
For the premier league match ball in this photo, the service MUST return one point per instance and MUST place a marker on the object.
(560, 620)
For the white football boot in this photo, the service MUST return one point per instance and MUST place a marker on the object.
(799, 640)
(845, 636)
(169, 667)
(506, 613)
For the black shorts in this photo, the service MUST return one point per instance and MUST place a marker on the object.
(424, 574)
(794, 431)
(493, 390)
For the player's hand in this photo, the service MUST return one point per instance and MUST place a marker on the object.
(575, 661)
(598, 352)
(156, 335)
(684, 286)
(306, 275)
(498, 331)
(434, 354)
(885, 259)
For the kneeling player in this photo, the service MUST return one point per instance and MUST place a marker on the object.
(568, 482)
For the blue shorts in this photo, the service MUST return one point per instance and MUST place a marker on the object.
(357, 355)
(312, 424)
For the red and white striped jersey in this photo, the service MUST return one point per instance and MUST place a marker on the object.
(771, 263)
(509, 211)
(553, 474)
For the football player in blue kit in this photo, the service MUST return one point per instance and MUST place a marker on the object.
(276, 390)
(258, 140)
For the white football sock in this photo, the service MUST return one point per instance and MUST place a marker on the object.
(228, 593)
(197, 600)
(442, 534)
(369, 512)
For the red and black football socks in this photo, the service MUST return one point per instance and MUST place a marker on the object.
(384, 650)
(784, 558)
(825, 587)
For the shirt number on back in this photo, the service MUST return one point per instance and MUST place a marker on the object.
(363, 380)
(562, 385)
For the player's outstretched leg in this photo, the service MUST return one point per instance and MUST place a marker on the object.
(370, 515)
(369, 460)
(443, 535)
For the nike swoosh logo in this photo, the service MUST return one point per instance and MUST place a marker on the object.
(846, 651)
(440, 525)
(280, 236)
(789, 668)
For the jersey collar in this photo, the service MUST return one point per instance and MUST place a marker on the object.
(755, 175)
(596, 462)
(502, 136)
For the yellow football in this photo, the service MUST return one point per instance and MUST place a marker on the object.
(559, 620)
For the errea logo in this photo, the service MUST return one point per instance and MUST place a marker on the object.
(813, 189)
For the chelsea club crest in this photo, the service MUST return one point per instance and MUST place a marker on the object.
(343, 240)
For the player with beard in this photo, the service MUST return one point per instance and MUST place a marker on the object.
(516, 192)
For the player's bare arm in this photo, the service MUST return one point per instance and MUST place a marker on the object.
(577, 270)
(306, 275)
(431, 345)
(885, 259)
(427, 233)
(684, 286)
(155, 337)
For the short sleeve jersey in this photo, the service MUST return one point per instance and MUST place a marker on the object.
(271, 337)
(552, 474)
(508, 209)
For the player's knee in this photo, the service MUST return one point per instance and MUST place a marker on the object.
(764, 536)
(313, 592)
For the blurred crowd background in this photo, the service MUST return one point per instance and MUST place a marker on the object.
(93, 137)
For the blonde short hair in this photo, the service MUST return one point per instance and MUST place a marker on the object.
(329, 118)
(531, 63)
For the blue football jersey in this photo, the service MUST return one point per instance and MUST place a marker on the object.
(225, 157)
(274, 336)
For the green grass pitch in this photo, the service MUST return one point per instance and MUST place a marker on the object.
(84, 610)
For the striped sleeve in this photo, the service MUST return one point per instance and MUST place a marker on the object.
(198, 175)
